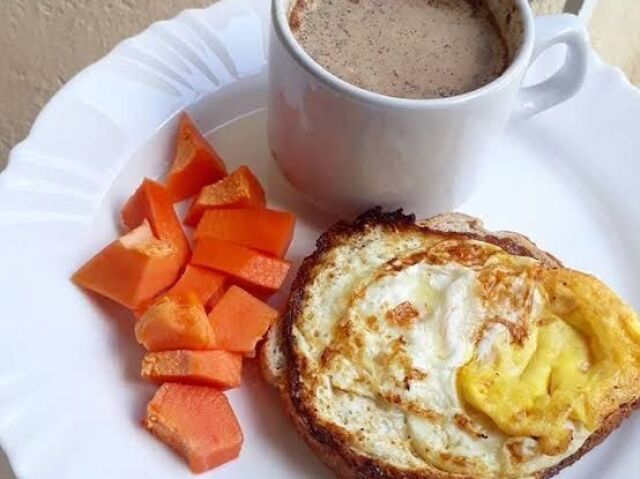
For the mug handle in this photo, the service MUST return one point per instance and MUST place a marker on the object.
(549, 31)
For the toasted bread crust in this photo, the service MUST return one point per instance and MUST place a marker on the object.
(271, 356)
(281, 366)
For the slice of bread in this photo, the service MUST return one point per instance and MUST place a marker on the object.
(282, 369)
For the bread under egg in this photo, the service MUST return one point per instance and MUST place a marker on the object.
(415, 351)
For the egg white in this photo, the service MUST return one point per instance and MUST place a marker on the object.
(359, 360)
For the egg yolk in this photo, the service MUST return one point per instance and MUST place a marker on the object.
(578, 363)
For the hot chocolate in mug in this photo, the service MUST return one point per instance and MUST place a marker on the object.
(348, 149)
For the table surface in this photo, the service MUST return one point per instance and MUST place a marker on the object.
(44, 43)
(5, 470)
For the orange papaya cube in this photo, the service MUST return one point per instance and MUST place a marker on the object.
(220, 369)
(206, 284)
(197, 422)
(269, 231)
(132, 269)
(152, 202)
(175, 322)
(240, 320)
(215, 297)
(195, 163)
(241, 189)
(248, 266)
(203, 282)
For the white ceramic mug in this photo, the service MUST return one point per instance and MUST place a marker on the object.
(349, 149)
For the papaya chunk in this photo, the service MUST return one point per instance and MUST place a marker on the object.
(152, 202)
(220, 369)
(248, 266)
(175, 322)
(206, 284)
(265, 230)
(240, 320)
(241, 189)
(217, 295)
(195, 163)
(203, 282)
(132, 269)
(197, 422)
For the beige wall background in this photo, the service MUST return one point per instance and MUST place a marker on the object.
(43, 43)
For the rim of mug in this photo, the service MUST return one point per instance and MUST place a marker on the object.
(520, 61)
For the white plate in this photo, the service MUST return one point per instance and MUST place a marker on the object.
(70, 396)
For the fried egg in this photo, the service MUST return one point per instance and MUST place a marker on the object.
(450, 354)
